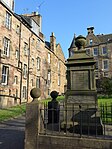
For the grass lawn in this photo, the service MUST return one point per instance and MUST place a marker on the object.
(107, 101)
(12, 112)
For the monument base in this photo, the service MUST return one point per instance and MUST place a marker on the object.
(82, 120)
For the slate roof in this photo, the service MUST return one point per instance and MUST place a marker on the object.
(101, 39)
(73, 43)
(105, 38)
(27, 20)
(47, 44)
(24, 19)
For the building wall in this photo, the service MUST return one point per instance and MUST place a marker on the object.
(98, 42)
(17, 89)
(56, 67)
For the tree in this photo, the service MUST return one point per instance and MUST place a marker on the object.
(104, 86)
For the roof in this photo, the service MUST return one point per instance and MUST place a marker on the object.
(47, 44)
(105, 38)
(73, 43)
(25, 19)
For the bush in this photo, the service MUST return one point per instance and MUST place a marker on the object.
(104, 86)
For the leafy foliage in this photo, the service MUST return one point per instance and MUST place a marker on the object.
(104, 86)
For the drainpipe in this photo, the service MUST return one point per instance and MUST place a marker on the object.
(0, 63)
(28, 66)
(20, 64)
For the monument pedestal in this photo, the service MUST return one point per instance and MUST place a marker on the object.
(81, 96)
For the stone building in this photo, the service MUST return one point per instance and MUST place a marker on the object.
(100, 46)
(26, 60)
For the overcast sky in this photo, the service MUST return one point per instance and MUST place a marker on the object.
(68, 17)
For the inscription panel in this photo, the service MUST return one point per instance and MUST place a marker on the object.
(81, 99)
(80, 80)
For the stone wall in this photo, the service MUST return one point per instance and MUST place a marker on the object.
(59, 142)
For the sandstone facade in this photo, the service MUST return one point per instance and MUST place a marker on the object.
(24, 57)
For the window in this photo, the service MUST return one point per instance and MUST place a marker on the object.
(96, 74)
(9, 92)
(5, 73)
(17, 54)
(88, 51)
(58, 66)
(49, 77)
(16, 92)
(15, 79)
(38, 63)
(32, 61)
(58, 79)
(25, 70)
(6, 47)
(105, 64)
(33, 40)
(24, 92)
(32, 82)
(96, 65)
(25, 48)
(90, 42)
(38, 43)
(38, 82)
(95, 52)
(105, 74)
(104, 50)
(49, 58)
(17, 29)
(8, 20)
(49, 91)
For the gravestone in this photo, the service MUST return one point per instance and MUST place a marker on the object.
(81, 94)
(53, 112)
(53, 109)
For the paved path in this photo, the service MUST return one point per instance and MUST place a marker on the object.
(12, 133)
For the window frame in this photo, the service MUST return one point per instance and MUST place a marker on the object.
(25, 70)
(95, 54)
(38, 82)
(17, 54)
(8, 20)
(25, 48)
(38, 63)
(6, 47)
(5, 75)
(15, 79)
(103, 48)
(106, 60)
(24, 92)
(49, 58)
(59, 80)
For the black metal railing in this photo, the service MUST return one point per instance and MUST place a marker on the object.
(106, 113)
(77, 121)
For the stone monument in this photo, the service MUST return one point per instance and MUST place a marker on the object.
(81, 94)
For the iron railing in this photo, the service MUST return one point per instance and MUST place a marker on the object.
(77, 121)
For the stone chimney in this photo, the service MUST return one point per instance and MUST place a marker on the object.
(53, 42)
(90, 30)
